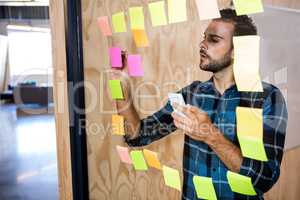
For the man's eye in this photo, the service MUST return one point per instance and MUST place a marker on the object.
(213, 40)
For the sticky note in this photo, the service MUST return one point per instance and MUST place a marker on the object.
(134, 63)
(116, 89)
(250, 132)
(177, 11)
(246, 63)
(172, 177)
(115, 57)
(177, 98)
(118, 125)
(124, 154)
(152, 159)
(157, 13)
(140, 37)
(244, 7)
(136, 15)
(204, 188)
(104, 26)
(119, 23)
(208, 9)
(138, 160)
(240, 184)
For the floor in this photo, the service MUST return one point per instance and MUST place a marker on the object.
(28, 166)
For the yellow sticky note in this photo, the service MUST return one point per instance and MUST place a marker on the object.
(118, 125)
(137, 18)
(157, 13)
(240, 184)
(250, 132)
(204, 188)
(138, 160)
(244, 7)
(208, 9)
(246, 63)
(152, 159)
(119, 23)
(172, 178)
(177, 11)
(140, 37)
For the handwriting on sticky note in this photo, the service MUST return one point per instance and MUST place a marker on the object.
(208, 9)
(138, 160)
(119, 23)
(244, 7)
(152, 159)
(246, 63)
(115, 55)
(240, 184)
(172, 178)
(118, 125)
(177, 11)
(116, 89)
(134, 63)
(250, 132)
(104, 26)
(140, 37)
(204, 188)
(157, 13)
(124, 154)
(136, 15)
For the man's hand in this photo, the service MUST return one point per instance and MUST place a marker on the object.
(196, 124)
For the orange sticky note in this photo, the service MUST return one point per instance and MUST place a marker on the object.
(118, 125)
(152, 159)
(104, 26)
(140, 38)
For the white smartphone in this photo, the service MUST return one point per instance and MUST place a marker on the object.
(177, 98)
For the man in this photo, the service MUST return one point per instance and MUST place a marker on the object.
(211, 147)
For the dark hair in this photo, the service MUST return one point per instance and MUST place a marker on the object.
(243, 24)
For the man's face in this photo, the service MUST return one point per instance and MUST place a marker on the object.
(216, 48)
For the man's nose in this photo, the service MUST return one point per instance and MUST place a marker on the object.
(202, 45)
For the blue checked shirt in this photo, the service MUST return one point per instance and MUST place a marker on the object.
(199, 159)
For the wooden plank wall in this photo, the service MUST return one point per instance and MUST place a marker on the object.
(170, 62)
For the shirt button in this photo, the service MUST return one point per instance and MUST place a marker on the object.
(214, 169)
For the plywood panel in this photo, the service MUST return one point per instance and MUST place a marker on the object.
(294, 4)
(287, 188)
(60, 97)
(170, 63)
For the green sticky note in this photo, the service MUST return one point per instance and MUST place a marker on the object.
(240, 184)
(253, 148)
(177, 11)
(138, 160)
(116, 89)
(119, 23)
(157, 13)
(244, 7)
(204, 188)
(172, 177)
(136, 15)
(250, 132)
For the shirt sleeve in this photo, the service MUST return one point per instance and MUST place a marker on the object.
(160, 124)
(154, 127)
(265, 174)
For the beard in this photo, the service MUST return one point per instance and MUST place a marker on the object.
(217, 65)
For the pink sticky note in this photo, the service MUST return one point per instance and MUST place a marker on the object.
(124, 154)
(104, 26)
(115, 57)
(135, 65)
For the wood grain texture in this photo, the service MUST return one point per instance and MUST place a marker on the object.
(61, 101)
(287, 188)
(170, 63)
